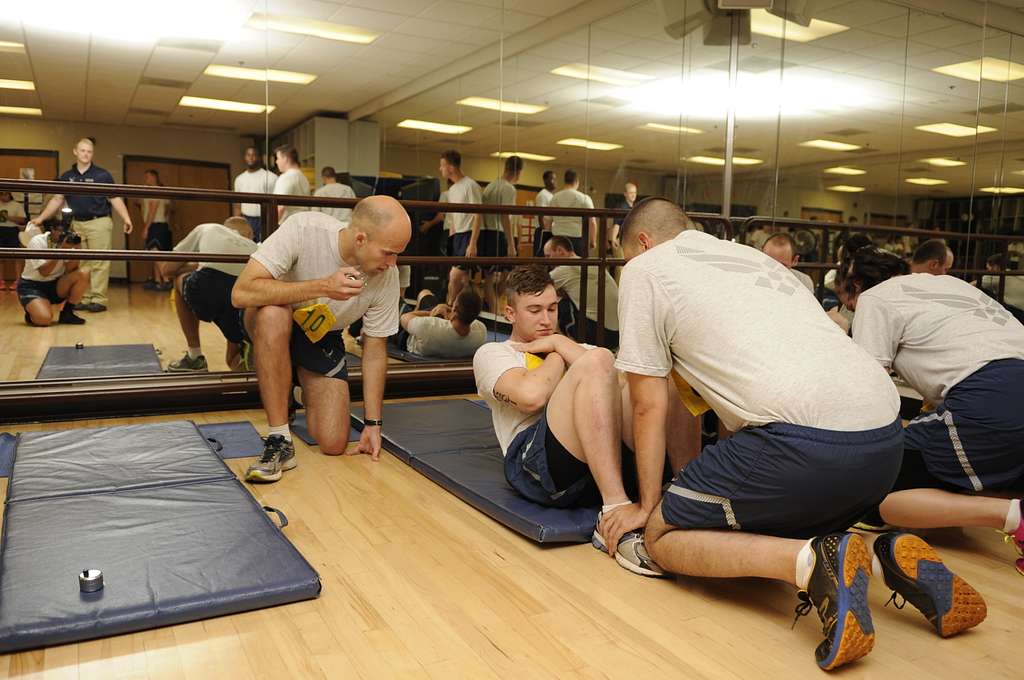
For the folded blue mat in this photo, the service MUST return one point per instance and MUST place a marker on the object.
(452, 442)
(300, 429)
(99, 360)
(233, 440)
(6, 453)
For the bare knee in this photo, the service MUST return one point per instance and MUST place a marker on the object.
(597, 364)
(655, 530)
(331, 443)
(273, 321)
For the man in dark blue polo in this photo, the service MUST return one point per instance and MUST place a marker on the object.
(91, 220)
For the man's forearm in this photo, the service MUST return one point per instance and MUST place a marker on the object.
(121, 209)
(649, 429)
(375, 363)
(569, 349)
(51, 208)
(506, 224)
(474, 232)
(261, 292)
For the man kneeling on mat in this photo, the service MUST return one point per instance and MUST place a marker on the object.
(818, 438)
(205, 293)
(434, 329)
(48, 282)
(562, 420)
(308, 281)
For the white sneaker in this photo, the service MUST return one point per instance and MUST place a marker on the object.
(632, 555)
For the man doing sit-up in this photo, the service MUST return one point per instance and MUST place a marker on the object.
(434, 329)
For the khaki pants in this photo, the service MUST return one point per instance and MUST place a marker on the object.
(96, 235)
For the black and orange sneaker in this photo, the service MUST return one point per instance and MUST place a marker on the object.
(915, 572)
(838, 589)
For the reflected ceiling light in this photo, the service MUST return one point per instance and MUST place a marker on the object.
(588, 144)
(600, 74)
(842, 170)
(715, 160)
(997, 70)
(9, 46)
(943, 162)
(1002, 190)
(224, 105)
(954, 130)
(312, 27)
(6, 84)
(501, 105)
(675, 129)
(524, 155)
(925, 181)
(440, 128)
(763, 23)
(846, 188)
(829, 145)
(21, 110)
(260, 74)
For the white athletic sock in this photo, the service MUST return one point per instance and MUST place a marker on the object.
(281, 430)
(1012, 516)
(605, 509)
(195, 352)
(804, 566)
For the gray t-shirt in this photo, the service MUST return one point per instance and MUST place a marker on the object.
(434, 336)
(747, 337)
(498, 192)
(305, 247)
(567, 279)
(216, 238)
(466, 190)
(336, 190)
(292, 183)
(934, 331)
(569, 226)
(804, 279)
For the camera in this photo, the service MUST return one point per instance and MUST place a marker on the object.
(63, 233)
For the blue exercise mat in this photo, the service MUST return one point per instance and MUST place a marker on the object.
(300, 429)
(233, 440)
(6, 453)
(98, 361)
(452, 442)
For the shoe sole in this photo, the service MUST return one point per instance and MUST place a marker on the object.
(921, 565)
(854, 636)
(256, 476)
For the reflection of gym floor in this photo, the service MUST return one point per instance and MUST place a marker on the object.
(417, 583)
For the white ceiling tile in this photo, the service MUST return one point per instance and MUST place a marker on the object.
(367, 18)
(174, 63)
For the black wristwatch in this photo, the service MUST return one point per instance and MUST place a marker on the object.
(370, 422)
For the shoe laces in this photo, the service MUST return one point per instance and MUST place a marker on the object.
(803, 608)
(899, 604)
(271, 448)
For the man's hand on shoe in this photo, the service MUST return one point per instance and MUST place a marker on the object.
(621, 521)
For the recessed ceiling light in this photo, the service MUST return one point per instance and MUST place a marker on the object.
(523, 154)
(715, 160)
(829, 145)
(500, 105)
(600, 74)
(763, 23)
(676, 129)
(943, 162)
(440, 128)
(6, 84)
(954, 130)
(846, 188)
(312, 27)
(588, 144)
(842, 170)
(925, 181)
(9, 46)
(260, 74)
(224, 105)
(21, 111)
(998, 70)
(1002, 190)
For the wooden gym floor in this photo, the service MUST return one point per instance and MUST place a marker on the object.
(416, 584)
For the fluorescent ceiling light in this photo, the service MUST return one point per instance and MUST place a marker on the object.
(9, 46)
(312, 27)
(829, 145)
(500, 105)
(677, 129)
(943, 162)
(588, 144)
(260, 74)
(524, 155)
(715, 160)
(440, 128)
(224, 105)
(998, 70)
(763, 23)
(600, 74)
(954, 130)
(21, 111)
(842, 170)
(925, 181)
(846, 188)
(1002, 190)
(6, 84)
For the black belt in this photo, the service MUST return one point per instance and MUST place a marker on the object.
(84, 218)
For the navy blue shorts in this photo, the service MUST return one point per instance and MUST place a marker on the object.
(207, 292)
(489, 244)
(326, 357)
(975, 438)
(159, 236)
(29, 290)
(527, 470)
(786, 480)
(256, 224)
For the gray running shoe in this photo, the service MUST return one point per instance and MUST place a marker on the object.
(187, 364)
(278, 456)
(632, 555)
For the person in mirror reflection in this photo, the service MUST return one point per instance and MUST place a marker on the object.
(308, 281)
(433, 329)
(254, 179)
(465, 227)
(542, 233)
(52, 282)
(1013, 289)
(497, 237)
(12, 219)
(758, 237)
(781, 248)
(332, 188)
(91, 220)
(932, 257)
(572, 227)
(567, 283)
(156, 229)
(203, 292)
(291, 182)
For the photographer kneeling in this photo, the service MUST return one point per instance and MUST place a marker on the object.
(48, 282)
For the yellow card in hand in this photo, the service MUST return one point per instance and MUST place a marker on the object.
(315, 320)
(533, 361)
(693, 402)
